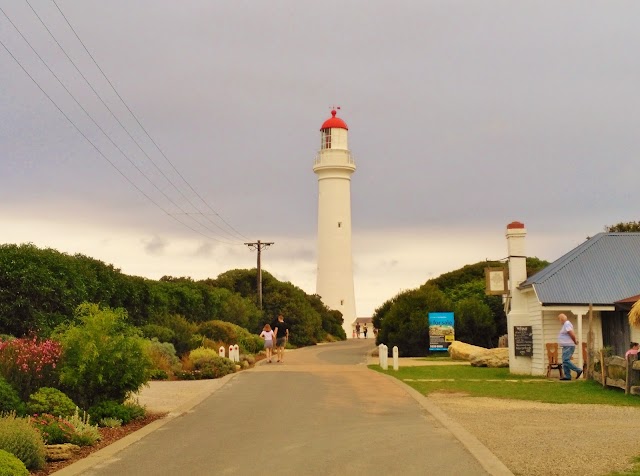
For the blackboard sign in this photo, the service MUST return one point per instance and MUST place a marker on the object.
(523, 339)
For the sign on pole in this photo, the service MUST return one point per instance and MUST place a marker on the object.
(441, 331)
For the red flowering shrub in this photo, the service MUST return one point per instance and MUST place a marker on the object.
(54, 430)
(29, 363)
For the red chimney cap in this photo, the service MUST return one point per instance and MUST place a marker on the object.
(334, 122)
(515, 224)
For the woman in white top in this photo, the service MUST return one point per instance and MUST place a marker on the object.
(268, 336)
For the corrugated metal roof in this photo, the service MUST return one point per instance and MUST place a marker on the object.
(602, 270)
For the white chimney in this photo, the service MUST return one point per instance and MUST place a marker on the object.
(516, 233)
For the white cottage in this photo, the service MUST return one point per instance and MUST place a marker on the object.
(603, 271)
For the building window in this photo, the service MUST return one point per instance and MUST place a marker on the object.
(339, 224)
(342, 302)
(326, 138)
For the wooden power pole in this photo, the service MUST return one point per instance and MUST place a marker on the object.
(259, 246)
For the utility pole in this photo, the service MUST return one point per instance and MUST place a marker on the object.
(259, 245)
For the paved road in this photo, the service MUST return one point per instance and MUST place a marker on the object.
(322, 412)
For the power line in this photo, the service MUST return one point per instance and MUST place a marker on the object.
(104, 133)
(96, 147)
(140, 124)
(121, 124)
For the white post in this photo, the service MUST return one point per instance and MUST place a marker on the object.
(231, 353)
(395, 357)
(385, 357)
(221, 351)
(579, 339)
(236, 353)
(380, 351)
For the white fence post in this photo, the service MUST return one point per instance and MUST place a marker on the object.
(231, 353)
(236, 353)
(380, 351)
(221, 351)
(395, 357)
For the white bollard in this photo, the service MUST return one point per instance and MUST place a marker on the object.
(395, 357)
(380, 351)
(221, 351)
(385, 357)
(236, 353)
(231, 353)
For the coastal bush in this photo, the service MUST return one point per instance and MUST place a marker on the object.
(125, 412)
(11, 466)
(206, 363)
(9, 399)
(164, 361)
(19, 437)
(29, 363)
(104, 357)
(50, 400)
(161, 333)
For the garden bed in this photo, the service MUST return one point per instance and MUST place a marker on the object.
(107, 436)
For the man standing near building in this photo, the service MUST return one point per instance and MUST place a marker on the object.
(567, 340)
(282, 336)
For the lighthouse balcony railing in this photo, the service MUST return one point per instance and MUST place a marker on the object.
(324, 160)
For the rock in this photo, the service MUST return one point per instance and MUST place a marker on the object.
(61, 452)
(498, 357)
(461, 351)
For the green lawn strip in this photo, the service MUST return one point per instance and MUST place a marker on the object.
(499, 383)
(635, 471)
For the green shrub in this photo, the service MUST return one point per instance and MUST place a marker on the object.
(155, 331)
(19, 437)
(104, 357)
(232, 334)
(85, 434)
(9, 399)
(164, 361)
(11, 466)
(125, 412)
(209, 364)
(52, 401)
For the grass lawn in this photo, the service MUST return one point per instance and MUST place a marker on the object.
(499, 383)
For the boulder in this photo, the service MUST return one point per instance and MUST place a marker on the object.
(461, 351)
(498, 357)
(61, 452)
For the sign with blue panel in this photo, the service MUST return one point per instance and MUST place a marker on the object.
(441, 332)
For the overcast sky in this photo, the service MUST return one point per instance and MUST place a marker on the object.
(463, 116)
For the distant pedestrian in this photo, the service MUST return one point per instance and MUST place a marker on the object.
(364, 331)
(282, 336)
(268, 336)
(358, 330)
(567, 340)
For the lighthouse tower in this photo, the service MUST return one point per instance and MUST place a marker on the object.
(334, 166)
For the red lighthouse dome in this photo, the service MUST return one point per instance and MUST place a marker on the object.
(334, 122)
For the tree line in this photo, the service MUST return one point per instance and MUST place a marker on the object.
(41, 288)
(479, 318)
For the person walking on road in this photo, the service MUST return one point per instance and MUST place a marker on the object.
(282, 336)
(364, 331)
(358, 329)
(567, 340)
(268, 336)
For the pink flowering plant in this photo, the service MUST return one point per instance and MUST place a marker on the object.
(29, 363)
(54, 430)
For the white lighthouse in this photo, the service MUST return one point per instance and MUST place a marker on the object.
(334, 166)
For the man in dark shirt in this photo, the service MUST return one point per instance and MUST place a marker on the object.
(282, 335)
